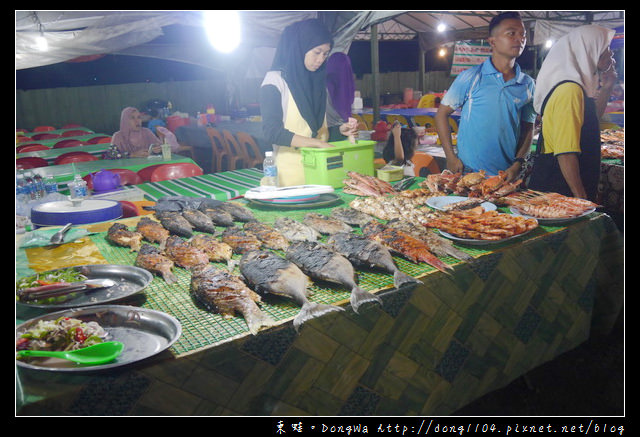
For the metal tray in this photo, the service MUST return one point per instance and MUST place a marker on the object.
(129, 280)
(143, 332)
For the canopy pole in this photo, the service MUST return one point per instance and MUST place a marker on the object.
(375, 74)
(421, 66)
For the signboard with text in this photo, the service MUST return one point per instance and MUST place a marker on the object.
(467, 54)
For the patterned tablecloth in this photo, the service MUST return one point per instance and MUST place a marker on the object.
(428, 350)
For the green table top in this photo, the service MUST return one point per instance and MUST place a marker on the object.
(53, 141)
(51, 154)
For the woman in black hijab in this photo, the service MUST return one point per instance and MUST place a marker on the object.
(293, 98)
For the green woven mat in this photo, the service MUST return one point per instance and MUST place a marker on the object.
(202, 329)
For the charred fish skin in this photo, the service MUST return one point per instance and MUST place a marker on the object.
(240, 241)
(351, 216)
(217, 215)
(362, 251)
(270, 237)
(319, 262)
(183, 254)
(239, 213)
(120, 235)
(152, 231)
(268, 273)
(439, 245)
(294, 230)
(216, 250)
(227, 294)
(325, 224)
(199, 220)
(152, 259)
(175, 223)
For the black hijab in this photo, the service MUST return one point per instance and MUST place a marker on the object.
(307, 87)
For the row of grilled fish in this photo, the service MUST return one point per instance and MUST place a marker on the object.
(263, 271)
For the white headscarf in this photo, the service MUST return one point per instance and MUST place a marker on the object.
(573, 57)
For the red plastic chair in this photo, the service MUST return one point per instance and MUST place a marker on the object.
(127, 177)
(23, 139)
(145, 173)
(98, 140)
(250, 150)
(31, 148)
(30, 162)
(44, 136)
(75, 133)
(68, 143)
(175, 171)
(68, 158)
(21, 129)
(43, 128)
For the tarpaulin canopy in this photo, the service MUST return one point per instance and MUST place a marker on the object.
(74, 34)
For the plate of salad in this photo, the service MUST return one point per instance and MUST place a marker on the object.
(144, 333)
(125, 280)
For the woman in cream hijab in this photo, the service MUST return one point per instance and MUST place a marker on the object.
(572, 88)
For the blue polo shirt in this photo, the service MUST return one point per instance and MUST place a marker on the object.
(492, 109)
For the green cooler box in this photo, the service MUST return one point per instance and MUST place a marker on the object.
(330, 166)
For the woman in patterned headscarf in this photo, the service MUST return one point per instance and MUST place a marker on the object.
(132, 138)
(293, 98)
(572, 89)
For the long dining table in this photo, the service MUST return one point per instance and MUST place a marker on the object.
(428, 350)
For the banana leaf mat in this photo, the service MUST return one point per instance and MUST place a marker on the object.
(203, 329)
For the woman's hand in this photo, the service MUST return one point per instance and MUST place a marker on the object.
(349, 128)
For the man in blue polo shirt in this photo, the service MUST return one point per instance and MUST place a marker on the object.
(496, 97)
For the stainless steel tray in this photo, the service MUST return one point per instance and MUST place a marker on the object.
(129, 280)
(143, 332)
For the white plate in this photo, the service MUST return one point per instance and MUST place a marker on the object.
(439, 202)
(550, 220)
(475, 242)
(296, 193)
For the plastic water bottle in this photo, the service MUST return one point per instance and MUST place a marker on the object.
(38, 184)
(78, 188)
(29, 186)
(50, 185)
(269, 180)
(22, 191)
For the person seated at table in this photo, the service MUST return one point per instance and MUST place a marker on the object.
(155, 121)
(132, 139)
(400, 148)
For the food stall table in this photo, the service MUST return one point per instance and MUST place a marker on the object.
(64, 173)
(51, 154)
(58, 131)
(429, 349)
(222, 186)
(52, 142)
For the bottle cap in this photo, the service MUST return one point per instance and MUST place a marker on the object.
(268, 153)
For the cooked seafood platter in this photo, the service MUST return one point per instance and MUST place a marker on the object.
(229, 267)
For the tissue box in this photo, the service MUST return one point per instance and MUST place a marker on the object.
(330, 166)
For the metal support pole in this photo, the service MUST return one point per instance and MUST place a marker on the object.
(375, 73)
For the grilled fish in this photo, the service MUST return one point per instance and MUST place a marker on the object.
(440, 246)
(365, 252)
(351, 216)
(183, 254)
(400, 242)
(319, 262)
(239, 240)
(266, 272)
(216, 250)
(217, 215)
(152, 259)
(325, 224)
(152, 231)
(294, 230)
(120, 235)
(239, 213)
(270, 237)
(227, 294)
(175, 223)
(199, 220)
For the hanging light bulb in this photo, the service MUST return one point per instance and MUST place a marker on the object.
(41, 43)
(442, 52)
(548, 43)
(442, 27)
(223, 29)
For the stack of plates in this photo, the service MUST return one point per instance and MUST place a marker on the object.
(294, 195)
(63, 212)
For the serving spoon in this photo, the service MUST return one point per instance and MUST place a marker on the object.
(58, 237)
(92, 355)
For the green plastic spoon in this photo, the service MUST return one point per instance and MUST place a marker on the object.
(92, 355)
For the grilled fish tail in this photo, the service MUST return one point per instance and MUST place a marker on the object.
(400, 278)
(312, 310)
(360, 296)
(256, 318)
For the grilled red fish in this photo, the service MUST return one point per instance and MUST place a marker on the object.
(411, 248)
(152, 259)
(183, 254)
(152, 231)
(120, 235)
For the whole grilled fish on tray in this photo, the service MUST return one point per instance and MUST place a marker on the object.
(240, 241)
(270, 237)
(199, 220)
(294, 230)
(227, 294)
(216, 250)
(365, 252)
(153, 260)
(266, 272)
(183, 254)
(121, 235)
(152, 231)
(319, 262)
(325, 224)
(175, 223)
